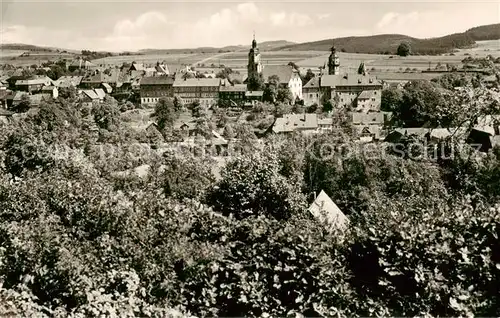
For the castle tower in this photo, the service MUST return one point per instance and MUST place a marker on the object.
(254, 67)
(333, 62)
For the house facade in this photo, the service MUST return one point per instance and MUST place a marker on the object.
(205, 90)
(235, 94)
(289, 78)
(152, 89)
(33, 85)
(303, 123)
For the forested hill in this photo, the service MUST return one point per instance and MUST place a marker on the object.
(388, 43)
(485, 32)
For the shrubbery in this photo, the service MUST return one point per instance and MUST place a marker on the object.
(78, 240)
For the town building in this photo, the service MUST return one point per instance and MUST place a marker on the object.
(92, 95)
(289, 78)
(68, 81)
(254, 67)
(50, 90)
(359, 92)
(205, 90)
(333, 62)
(346, 90)
(33, 84)
(154, 88)
(234, 94)
(304, 123)
(328, 213)
(80, 64)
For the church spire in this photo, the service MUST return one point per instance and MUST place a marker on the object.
(333, 61)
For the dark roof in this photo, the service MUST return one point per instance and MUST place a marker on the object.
(349, 80)
(4, 112)
(197, 82)
(235, 88)
(291, 122)
(157, 80)
(254, 93)
(313, 83)
(284, 72)
(368, 118)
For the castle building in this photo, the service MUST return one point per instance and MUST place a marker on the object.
(333, 62)
(254, 67)
(358, 92)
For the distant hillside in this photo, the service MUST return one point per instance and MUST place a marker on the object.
(265, 46)
(485, 32)
(387, 44)
(25, 47)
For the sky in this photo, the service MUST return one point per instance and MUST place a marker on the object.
(128, 25)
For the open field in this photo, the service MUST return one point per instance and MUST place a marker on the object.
(14, 57)
(180, 58)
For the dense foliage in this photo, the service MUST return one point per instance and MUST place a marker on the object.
(83, 235)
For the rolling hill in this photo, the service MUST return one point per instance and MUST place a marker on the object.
(388, 43)
(265, 46)
(485, 32)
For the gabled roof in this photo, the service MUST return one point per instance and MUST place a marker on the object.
(284, 72)
(137, 67)
(96, 78)
(48, 88)
(90, 93)
(367, 118)
(162, 68)
(366, 95)
(108, 87)
(254, 93)
(291, 122)
(157, 80)
(349, 80)
(327, 212)
(233, 88)
(100, 93)
(35, 81)
(313, 83)
(197, 82)
(67, 81)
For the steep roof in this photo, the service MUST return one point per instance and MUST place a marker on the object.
(367, 118)
(67, 81)
(197, 82)
(90, 93)
(48, 88)
(313, 83)
(108, 87)
(100, 93)
(327, 212)
(349, 80)
(284, 72)
(157, 80)
(234, 88)
(162, 68)
(291, 122)
(366, 95)
(35, 81)
(254, 93)
(137, 67)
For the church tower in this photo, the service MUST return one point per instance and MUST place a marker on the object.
(333, 62)
(254, 67)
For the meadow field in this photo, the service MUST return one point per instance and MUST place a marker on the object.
(14, 57)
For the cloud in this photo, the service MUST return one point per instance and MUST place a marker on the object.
(283, 19)
(323, 16)
(32, 35)
(396, 20)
